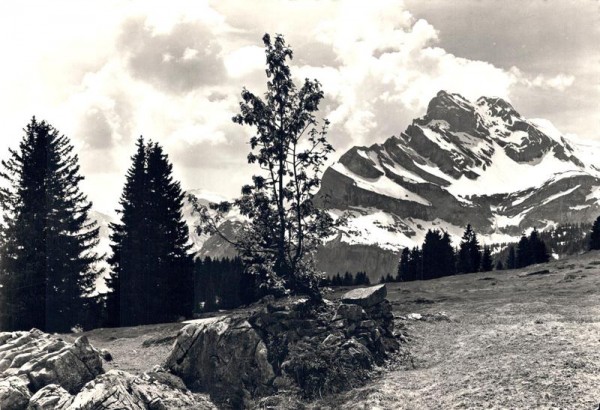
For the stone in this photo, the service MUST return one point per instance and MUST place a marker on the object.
(117, 389)
(224, 357)
(352, 313)
(49, 398)
(44, 359)
(367, 324)
(106, 355)
(14, 393)
(71, 367)
(366, 297)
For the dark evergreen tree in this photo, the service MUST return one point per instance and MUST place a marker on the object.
(416, 264)
(524, 256)
(499, 265)
(48, 264)
(469, 253)
(486, 260)
(361, 278)
(539, 252)
(594, 242)
(511, 261)
(437, 255)
(447, 255)
(152, 278)
(348, 279)
(404, 266)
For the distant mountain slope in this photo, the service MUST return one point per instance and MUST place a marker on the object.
(462, 162)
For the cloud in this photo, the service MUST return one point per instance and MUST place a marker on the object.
(183, 59)
(95, 130)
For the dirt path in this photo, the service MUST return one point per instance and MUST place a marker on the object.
(513, 341)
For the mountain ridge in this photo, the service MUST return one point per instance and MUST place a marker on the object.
(462, 162)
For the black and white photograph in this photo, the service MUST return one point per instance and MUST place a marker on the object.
(299, 204)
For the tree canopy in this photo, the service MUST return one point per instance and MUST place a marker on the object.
(48, 263)
(151, 279)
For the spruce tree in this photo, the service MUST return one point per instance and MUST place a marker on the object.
(469, 254)
(416, 264)
(152, 277)
(47, 239)
(594, 242)
(486, 260)
(524, 256)
(539, 252)
(437, 255)
(447, 255)
(511, 261)
(404, 267)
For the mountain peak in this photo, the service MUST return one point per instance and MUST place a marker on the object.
(453, 108)
(498, 107)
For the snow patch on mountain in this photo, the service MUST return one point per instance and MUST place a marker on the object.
(381, 185)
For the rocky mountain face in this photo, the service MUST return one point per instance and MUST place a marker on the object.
(462, 162)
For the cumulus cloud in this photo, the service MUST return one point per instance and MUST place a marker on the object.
(180, 60)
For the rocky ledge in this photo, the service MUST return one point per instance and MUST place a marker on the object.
(42, 372)
(286, 346)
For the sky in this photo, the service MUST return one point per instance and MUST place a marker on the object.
(105, 72)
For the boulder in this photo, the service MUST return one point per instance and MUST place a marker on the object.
(43, 359)
(366, 297)
(71, 367)
(117, 389)
(14, 393)
(49, 398)
(69, 376)
(223, 356)
(352, 313)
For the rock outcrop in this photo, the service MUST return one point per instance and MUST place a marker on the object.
(223, 356)
(42, 359)
(286, 346)
(366, 297)
(39, 371)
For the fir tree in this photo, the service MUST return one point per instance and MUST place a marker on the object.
(447, 255)
(469, 253)
(151, 277)
(486, 260)
(416, 264)
(539, 252)
(594, 242)
(511, 261)
(404, 273)
(524, 257)
(499, 265)
(348, 279)
(438, 255)
(47, 239)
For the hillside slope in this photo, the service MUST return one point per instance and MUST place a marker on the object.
(514, 339)
(507, 339)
